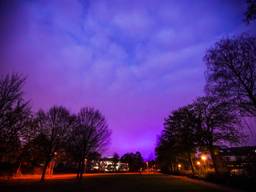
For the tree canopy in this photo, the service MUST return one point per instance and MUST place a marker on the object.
(135, 161)
(89, 134)
(231, 72)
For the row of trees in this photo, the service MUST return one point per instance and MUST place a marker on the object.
(44, 135)
(216, 118)
(200, 125)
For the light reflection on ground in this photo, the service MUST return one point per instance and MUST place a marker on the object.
(70, 176)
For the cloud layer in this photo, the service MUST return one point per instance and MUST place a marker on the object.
(134, 60)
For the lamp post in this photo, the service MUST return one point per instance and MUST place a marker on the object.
(179, 167)
(204, 159)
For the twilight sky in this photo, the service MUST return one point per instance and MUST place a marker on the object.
(135, 60)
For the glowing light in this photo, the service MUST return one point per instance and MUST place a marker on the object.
(198, 163)
(204, 157)
(179, 165)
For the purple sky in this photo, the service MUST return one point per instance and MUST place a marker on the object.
(134, 60)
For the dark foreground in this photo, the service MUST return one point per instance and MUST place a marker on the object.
(110, 183)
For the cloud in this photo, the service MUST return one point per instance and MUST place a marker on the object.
(134, 60)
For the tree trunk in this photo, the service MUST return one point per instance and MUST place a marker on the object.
(211, 149)
(44, 169)
(18, 171)
(78, 170)
(171, 166)
(82, 170)
(191, 164)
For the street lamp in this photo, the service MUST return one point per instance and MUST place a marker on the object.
(199, 167)
(204, 157)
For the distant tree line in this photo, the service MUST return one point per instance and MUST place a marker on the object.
(46, 135)
(135, 161)
(214, 119)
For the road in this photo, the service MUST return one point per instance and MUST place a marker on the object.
(131, 182)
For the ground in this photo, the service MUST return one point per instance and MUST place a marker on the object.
(109, 183)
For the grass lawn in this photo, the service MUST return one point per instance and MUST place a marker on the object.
(111, 183)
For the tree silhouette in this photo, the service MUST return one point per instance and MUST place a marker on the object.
(166, 152)
(14, 113)
(250, 13)
(231, 72)
(203, 124)
(218, 124)
(53, 129)
(179, 135)
(184, 124)
(135, 161)
(91, 134)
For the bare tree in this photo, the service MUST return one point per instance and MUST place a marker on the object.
(218, 125)
(27, 136)
(231, 72)
(53, 130)
(14, 112)
(91, 134)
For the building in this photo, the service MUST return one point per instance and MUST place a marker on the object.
(240, 160)
(108, 165)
